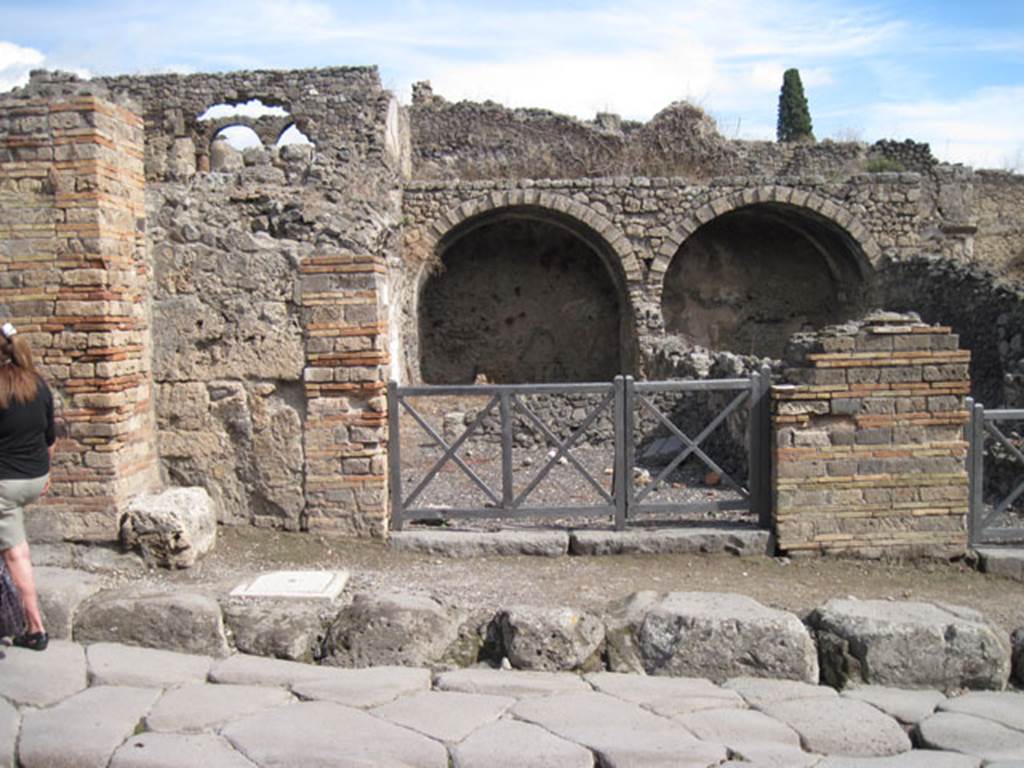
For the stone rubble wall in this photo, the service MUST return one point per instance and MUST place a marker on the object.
(75, 281)
(999, 242)
(869, 450)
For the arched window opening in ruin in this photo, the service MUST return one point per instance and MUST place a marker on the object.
(749, 279)
(522, 296)
(254, 108)
(240, 137)
(292, 135)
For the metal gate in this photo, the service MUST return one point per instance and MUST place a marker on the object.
(621, 403)
(995, 475)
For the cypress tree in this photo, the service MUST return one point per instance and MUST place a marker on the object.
(794, 116)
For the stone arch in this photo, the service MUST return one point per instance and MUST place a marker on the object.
(558, 213)
(747, 270)
(789, 196)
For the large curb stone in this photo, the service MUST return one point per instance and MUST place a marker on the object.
(481, 544)
(173, 750)
(666, 696)
(173, 528)
(114, 664)
(977, 736)
(909, 707)
(364, 687)
(1007, 562)
(663, 541)
(909, 645)
(444, 715)
(292, 630)
(837, 726)
(10, 720)
(512, 744)
(185, 622)
(43, 679)
(551, 639)
(395, 628)
(205, 707)
(61, 592)
(708, 634)
(328, 735)
(70, 735)
(622, 734)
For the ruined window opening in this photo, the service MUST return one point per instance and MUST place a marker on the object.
(292, 135)
(522, 296)
(747, 280)
(239, 137)
(253, 108)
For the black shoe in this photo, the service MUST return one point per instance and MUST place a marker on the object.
(34, 641)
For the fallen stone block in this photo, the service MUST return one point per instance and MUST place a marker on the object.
(173, 529)
(661, 541)
(551, 639)
(707, 634)
(395, 628)
(183, 621)
(61, 592)
(909, 645)
(481, 544)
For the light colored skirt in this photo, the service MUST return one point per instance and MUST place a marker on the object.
(15, 494)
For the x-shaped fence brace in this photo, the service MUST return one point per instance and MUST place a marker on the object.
(1006, 503)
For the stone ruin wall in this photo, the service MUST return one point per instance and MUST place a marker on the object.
(283, 283)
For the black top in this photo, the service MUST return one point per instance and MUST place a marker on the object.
(26, 432)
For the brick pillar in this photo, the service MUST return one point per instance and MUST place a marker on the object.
(869, 450)
(74, 278)
(344, 300)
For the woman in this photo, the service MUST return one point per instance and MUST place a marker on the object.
(27, 436)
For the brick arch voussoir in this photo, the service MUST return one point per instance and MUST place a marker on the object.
(796, 198)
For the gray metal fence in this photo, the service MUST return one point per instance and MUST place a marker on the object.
(995, 475)
(622, 402)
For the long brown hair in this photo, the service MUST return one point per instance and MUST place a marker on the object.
(19, 380)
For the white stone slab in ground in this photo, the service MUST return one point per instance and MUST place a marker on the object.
(318, 585)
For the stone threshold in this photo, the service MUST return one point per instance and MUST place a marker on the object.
(556, 543)
(1007, 562)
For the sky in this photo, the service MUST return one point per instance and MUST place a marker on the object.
(947, 72)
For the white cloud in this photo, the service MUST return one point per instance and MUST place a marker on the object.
(15, 64)
(983, 129)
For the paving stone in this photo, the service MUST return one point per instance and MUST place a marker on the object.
(512, 744)
(61, 592)
(202, 706)
(364, 687)
(481, 544)
(622, 734)
(243, 669)
(83, 731)
(919, 758)
(551, 639)
(1005, 708)
(908, 707)
(174, 750)
(971, 735)
(328, 735)
(763, 694)
(708, 634)
(444, 715)
(182, 621)
(909, 645)
(657, 541)
(42, 679)
(837, 726)
(666, 695)
(116, 664)
(754, 735)
(10, 720)
(501, 682)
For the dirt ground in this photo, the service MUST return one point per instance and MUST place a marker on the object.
(797, 585)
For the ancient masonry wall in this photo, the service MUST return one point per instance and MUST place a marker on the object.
(75, 280)
(869, 452)
(999, 241)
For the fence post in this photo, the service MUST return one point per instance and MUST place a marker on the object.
(619, 471)
(628, 452)
(764, 419)
(975, 470)
(394, 458)
(505, 407)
